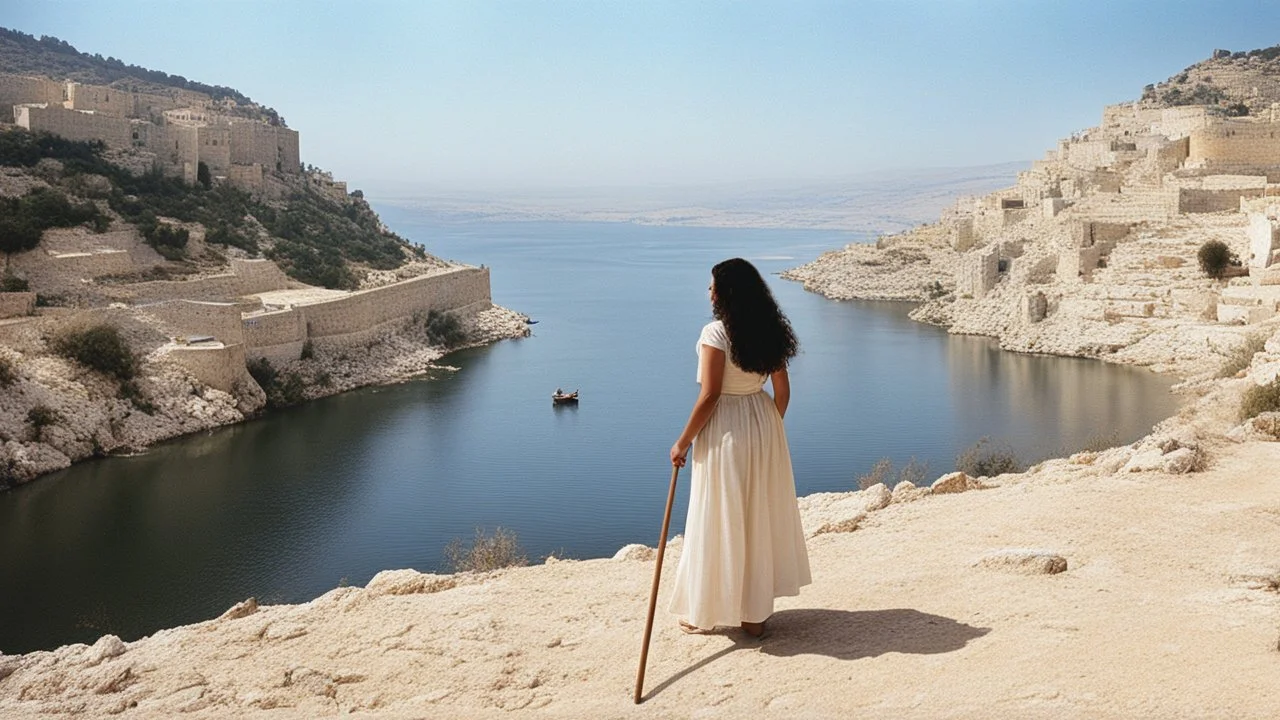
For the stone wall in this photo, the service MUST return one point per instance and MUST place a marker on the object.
(48, 272)
(18, 90)
(192, 318)
(1264, 240)
(370, 308)
(75, 125)
(215, 148)
(16, 304)
(1237, 146)
(270, 146)
(246, 278)
(962, 234)
(1211, 199)
(1076, 264)
(218, 366)
(1180, 122)
(277, 336)
(978, 272)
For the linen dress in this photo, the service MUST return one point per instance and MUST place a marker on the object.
(743, 543)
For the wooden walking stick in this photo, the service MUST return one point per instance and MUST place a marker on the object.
(657, 575)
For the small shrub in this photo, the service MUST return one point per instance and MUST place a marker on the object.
(1215, 257)
(12, 283)
(988, 458)
(881, 472)
(8, 373)
(41, 417)
(914, 472)
(308, 350)
(1259, 399)
(444, 329)
(130, 391)
(1241, 356)
(486, 552)
(934, 290)
(282, 390)
(100, 347)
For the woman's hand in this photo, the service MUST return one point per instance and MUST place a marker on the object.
(678, 454)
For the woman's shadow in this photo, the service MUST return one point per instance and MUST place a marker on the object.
(846, 635)
(850, 635)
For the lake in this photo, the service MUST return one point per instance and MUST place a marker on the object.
(289, 506)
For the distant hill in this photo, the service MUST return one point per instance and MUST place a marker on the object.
(23, 54)
(1243, 83)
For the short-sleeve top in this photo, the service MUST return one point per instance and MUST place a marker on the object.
(736, 380)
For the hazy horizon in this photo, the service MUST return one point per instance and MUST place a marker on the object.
(399, 97)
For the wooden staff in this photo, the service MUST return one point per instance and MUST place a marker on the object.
(657, 575)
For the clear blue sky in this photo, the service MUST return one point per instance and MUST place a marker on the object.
(495, 95)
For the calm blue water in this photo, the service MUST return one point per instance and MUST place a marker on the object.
(290, 506)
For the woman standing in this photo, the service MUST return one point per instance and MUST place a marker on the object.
(743, 544)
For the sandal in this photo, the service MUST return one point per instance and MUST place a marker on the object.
(755, 630)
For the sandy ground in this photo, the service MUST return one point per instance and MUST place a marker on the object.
(1168, 609)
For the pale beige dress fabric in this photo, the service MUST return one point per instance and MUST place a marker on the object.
(743, 543)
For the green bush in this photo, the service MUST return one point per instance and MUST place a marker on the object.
(41, 417)
(988, 458)
(24, 219)
(486, 552)
(100, 347)
(8, 373)
(1215, 257)
(444, 329)
(282, 389)
(1259, 399)
(12, 283)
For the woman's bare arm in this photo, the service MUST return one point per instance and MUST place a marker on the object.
(713, 361)
(781, 390)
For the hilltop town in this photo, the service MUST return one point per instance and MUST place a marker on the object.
(180, 230)
(1094, 252)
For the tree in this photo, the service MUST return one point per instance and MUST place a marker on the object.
(202, 175)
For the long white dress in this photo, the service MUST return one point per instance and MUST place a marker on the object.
(743, 543)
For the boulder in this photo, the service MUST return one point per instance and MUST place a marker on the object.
(1024, 561)
(956, 482)
(244, 608)
(408, 582)
(1264, 426)
(634, 551)
(906, 492)
(107, 647)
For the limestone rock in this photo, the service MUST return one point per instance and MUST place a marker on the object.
(906, 492)
(1024, 561)
(1264, 426)
(634, 551)
(244, 608)
(956, 482)
(847, 525)
(107, 647)
(876, 497)
(408, 582)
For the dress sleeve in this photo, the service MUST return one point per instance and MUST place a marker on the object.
(714, 335)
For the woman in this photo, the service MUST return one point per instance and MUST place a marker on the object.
(743, 544)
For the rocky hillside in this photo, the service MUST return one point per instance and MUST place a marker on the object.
(1242, 83)
(47, 56)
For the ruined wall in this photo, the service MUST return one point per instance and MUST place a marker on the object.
(246, 278)
(50, 272)
(101, 99)
(18, 90)
(277, 336)
(75, 125)
(1212, 199)
(218, 367)
(366, 309)
(1237, 146)
(1076, 264)
(16, 304)
(249, 177)
(272, 147)
(1264, 240)
(215, 148)
(962, 234)
(1180, 122)
(978, 272)
(191, 318)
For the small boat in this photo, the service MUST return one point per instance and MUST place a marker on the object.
(530, 321)
(563, 398)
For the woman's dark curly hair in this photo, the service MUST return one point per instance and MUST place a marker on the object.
(760, 336)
